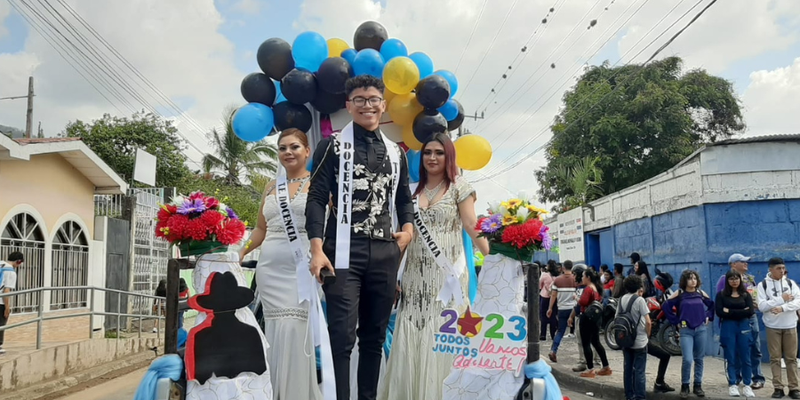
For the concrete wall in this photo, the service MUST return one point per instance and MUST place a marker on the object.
(27, 370)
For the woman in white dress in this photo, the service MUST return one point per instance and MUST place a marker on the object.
(447, 205)
(291, 356)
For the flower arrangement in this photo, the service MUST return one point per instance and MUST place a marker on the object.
(514, 228)
(199, 224)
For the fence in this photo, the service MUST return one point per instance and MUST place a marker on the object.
(41, 317)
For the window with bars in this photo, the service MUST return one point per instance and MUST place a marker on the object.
(70, 266)
(23, 233)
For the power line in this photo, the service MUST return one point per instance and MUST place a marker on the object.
(641, 68)
(474, 28)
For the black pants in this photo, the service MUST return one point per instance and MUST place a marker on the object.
(544, 304)
(363, 295)
(663, 360)
(3, 322)
(590, 337)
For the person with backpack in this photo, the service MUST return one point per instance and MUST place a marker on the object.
(695, 310)
(591, 315)
(778, 298)
(8, 282)
(631, 328)
(734, 306)
(562, 291)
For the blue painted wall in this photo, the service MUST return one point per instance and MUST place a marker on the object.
(702, 238)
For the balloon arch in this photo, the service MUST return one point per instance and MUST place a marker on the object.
(302, 86)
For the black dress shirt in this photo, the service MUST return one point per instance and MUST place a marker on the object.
(324, 189)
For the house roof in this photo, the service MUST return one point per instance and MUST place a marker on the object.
(759, 139)
(74, 151)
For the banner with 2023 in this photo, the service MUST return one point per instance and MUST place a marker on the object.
(491, 342)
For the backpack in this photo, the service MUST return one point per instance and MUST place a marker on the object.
(624, 326)
(594, 311)
(763, 285)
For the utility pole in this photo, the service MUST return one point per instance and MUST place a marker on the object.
(29, 116)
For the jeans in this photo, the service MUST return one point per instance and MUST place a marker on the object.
(736, 339)
(3, 322)
(693, 347)
(635, 383)
(590, 337)
(755, 353)
(544, 303)
(563, 316)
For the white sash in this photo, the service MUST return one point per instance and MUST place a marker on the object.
(307, 288)
(345, 195)
(452, 286)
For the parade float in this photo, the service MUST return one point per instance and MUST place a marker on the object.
(302, 85)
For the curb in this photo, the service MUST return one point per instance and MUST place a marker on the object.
(65, 385)
(571, 380)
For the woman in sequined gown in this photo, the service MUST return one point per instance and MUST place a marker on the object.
(291, 356)
(447, 205)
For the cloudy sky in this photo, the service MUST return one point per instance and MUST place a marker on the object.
(194, 54)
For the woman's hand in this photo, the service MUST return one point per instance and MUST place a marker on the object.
(725, 310)
(571, 321)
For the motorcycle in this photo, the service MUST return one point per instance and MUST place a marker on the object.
(664, 334)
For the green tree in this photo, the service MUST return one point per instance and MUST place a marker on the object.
(634, 123)
(115, 140)
(583, 179)
(234, 158)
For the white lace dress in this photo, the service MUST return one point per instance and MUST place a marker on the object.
(414, 371)
(291, 357)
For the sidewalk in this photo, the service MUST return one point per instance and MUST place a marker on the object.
(715, 382)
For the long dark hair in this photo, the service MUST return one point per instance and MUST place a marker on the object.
(450, 171)
(595, 279)
(728, 291)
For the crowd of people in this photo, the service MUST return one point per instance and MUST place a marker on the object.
(567, 290)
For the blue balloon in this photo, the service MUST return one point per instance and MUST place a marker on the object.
(280, 97)
(424, 63)
(393, 48)
(414, 157)
(309, 50)
(449, 110)
(350, 55)
(253, 122)
(368, 62)
(451, 79)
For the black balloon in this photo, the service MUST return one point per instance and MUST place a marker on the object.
(288, 115)
(275, 58)
(299, 86)
(370, 35)
(333, 74)
(433, 91)
(258, 88)
(455, 123)
(329, 103)
(427, 123)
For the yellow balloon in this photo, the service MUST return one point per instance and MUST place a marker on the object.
(401, 75)
(336, 47)
(388, 95)
(473, 152)
(404, 108)
(410, 140)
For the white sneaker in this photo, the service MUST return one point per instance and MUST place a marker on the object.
(2, 351)
(733, 390)
(783, 364)
(747, 392)
(569, 335)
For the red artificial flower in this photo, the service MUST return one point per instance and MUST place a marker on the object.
(535, 225)
(177, 225)
(166, 211)
(480, 222)
(212, 220)
(232, 232)
(522, 235)
(211, 202)
(197, 196)
(196, 230)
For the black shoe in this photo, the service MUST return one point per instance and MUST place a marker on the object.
(795, 394)
(685, 391)
(662, 388)
(698, 390)
(757, 385)
(778, 394)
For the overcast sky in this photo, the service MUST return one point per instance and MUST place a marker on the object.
(195, 52)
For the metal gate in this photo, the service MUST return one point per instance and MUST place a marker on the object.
(150, 253)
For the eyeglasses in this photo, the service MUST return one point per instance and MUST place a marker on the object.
(361, 101)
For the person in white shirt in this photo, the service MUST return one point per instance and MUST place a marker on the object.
(778, 298)
(8, 282)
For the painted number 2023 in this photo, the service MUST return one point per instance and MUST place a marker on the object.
(497, 322)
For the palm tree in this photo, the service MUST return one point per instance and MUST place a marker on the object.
(234, 158)
(584, 179)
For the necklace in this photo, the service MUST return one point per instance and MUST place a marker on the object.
(295, 180)
(430, 194)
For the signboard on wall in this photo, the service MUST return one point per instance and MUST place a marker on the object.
(570, 236)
